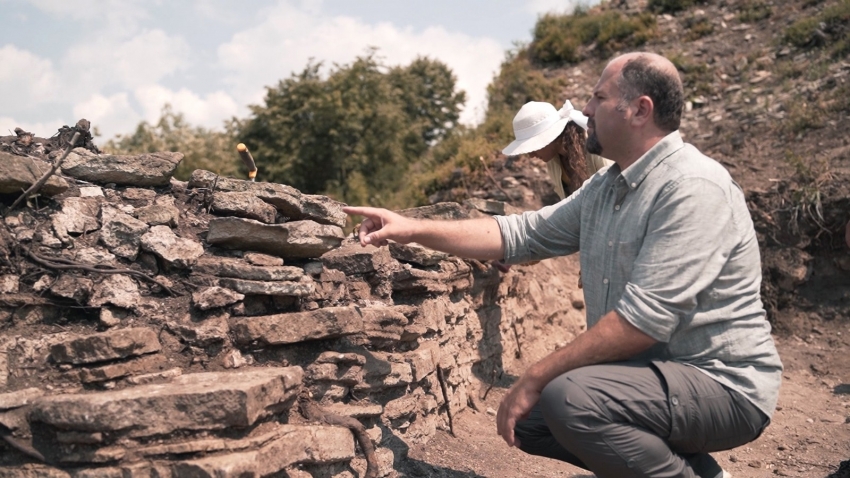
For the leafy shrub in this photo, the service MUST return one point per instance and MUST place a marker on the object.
(671, 6)
(354, 133)
(830, 28)
(696, 76)
(467, 151)
(754, 11)
(202, 148)
(559, 38)
(698, 27)
(803, 116)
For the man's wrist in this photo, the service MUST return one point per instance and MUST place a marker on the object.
(535, 377)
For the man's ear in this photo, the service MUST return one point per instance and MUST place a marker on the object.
(644, 112)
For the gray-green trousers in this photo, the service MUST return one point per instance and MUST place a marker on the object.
(629, 419)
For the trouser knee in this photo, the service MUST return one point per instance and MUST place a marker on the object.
(533, 433)
(569, 408)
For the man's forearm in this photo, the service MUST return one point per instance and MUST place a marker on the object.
(612, 339)
(471, 238)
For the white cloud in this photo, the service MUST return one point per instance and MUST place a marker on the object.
(556, 6)
(142, 59)
(39, 128)
(26, 80)
(111, 115)
(208, 111)
(118, 14)
(289, 37)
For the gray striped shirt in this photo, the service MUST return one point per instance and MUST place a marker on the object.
(669, 244)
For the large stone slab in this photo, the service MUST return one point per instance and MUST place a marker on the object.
(297, 444)
(78, 216)
(200, 333)
(214, 298)
(281, 288)
(243, 204)
(19, 398)
(17, 173)
(330, 322)
(32, 470)
(201, 401)
(441, 210)
(352, 258)
(173, 250)
(121, 233)
(291, 240)
(416, 254)
(142, 365)
(239, 269)
(151, 169)
(491, 207)
(452, 275)
(111, 345)
(72, 287)
(162, 212)
(117, 289)
(288, 200)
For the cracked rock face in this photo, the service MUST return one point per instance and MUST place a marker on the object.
(171, 337)
(17, 173)
(121, 233)
(154, 169)
(291, 240)
(174, 251)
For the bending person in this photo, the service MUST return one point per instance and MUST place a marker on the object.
(677, 360)
(558, 137)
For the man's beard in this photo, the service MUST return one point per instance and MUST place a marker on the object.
(593, 145)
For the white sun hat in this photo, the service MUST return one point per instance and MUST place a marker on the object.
(538, 123)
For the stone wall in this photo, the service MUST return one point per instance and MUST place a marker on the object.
(156, 328)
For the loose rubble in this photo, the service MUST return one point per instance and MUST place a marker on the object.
(170, 327)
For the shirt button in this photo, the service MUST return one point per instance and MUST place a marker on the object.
(610, 243)
(634, 185)
(617, 207)
(604, 281)
(674, 401)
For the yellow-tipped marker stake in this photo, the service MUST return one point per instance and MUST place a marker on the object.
(248, 160)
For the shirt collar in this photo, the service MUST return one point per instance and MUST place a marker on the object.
(640, 169)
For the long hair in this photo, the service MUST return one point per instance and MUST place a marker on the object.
(574, 161)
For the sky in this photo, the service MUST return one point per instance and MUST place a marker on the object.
(118, 62)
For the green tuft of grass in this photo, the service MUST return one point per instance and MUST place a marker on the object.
(696, 76)
(803, 116)
(829, 29)
(753, 11)
(698, 27)
(671, 6)
(559, 39)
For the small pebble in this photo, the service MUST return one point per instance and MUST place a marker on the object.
(490, 411)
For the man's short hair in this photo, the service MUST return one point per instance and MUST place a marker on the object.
(640, 77)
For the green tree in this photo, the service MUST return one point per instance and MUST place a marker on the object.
(354, 134)
(202, 148)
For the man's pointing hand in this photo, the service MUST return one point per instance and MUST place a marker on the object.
(381, 225)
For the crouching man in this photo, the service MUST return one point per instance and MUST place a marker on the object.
(677, 360)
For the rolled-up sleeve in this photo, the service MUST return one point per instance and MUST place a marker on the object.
(690, 234)
(535, 235)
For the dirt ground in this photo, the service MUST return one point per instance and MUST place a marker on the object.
(808, 437)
